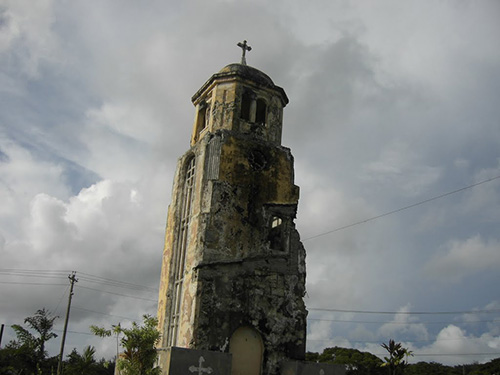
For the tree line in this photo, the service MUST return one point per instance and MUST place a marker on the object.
(26, 355)
(396, 363)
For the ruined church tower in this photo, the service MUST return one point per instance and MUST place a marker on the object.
(233, 269)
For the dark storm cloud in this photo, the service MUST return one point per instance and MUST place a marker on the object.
(389, 105)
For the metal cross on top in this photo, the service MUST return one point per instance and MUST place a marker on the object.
(244, 47)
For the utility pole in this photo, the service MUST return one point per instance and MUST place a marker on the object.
(72, 280)
(1, 334)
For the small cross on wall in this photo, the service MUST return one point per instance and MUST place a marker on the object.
(200, 370)
(244, 47)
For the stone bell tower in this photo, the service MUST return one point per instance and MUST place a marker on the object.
(233, 269)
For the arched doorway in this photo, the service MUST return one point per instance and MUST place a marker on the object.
(247, 349)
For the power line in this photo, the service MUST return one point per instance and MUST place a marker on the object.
(27, 283)
(401, 209)
(436, 340)
(103, 313)
(441, 354)
(30, 272)
(490, 311)
(114, 280)
(60, 300)
(121, 284)
(118, 294)
(401, 323)
(77, 332)
(377, 354)
(447, 354)
(82, 276)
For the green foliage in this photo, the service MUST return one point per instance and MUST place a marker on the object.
(356, 362)
(27, 353)
(85, 364)
(431, 368)
(42, 324)
(361, 363)
(139, 353)
(396, 360)
(312, 357)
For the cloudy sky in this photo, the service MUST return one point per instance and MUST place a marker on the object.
(392, 103)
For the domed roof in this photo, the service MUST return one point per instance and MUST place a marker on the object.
(248, 72)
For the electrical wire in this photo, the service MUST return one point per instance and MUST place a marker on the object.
(60, 300)
(82, 276)
(34, 273)
(103, 313)
(77, 332)
(117, 283)
(401, 323)
(112, 282)
(404, 341)
(26, 283)
(489, 311)
(446, 354)
(400, 209)
(117, 294)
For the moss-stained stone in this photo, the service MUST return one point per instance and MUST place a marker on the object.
(244, 262)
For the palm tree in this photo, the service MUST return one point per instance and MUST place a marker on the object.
(81, 364)
(396, 360)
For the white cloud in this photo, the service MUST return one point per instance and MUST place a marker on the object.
(22, 177)
(400, 167)
(456, 343)
(404, 325)
(27, 33)
(459, 259)
(485, 199)
(478, 316)
(110, 229)
(127, 120)
(322, 334)
(390, 103)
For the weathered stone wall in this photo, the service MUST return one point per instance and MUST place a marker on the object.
(254, 182)
(245, 264)
(264, 293)
(242, 281)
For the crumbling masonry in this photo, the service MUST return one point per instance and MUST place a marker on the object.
(233, 264)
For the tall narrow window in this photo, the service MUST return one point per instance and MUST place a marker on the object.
(179, 258)
(260, 113)
(246, 102)
(276, 235)
(203, 117)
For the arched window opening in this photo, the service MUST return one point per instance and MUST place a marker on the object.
(246, 104)
(260, 115)
(202, 118)
(207, 116)
(276, 234)
(276, 222)
(179, 257)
